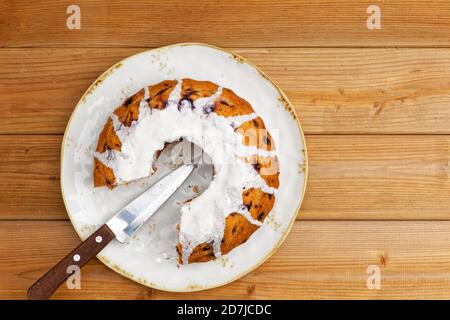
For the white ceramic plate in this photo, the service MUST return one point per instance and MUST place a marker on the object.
(149, 257)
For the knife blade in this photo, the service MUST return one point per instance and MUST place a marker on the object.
(128, 220)
(121, 227)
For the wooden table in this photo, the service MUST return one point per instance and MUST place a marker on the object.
(374, 104)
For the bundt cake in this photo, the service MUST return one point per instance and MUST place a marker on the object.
(225, 126)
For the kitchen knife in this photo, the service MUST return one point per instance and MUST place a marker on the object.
(121, 227)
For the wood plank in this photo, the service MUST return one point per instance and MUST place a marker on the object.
(351, 177)
(253, 23)
(320, 260)
(29, 178)
(377, 177)
(351, 91)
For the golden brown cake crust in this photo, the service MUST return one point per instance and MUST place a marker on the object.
(103, 176)
(193, 89)
(108, 138)
(128, 111)
(159, 94)
(237, 227)
(202, 253)
(229, 104)
(237, 231)
(267, 168)
(258, 203)
(255, 134)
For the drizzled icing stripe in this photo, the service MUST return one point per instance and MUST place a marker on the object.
(144, 101)
(205, 102)
(244, 212)
(237, 121)
(264, 188)
(246, 151)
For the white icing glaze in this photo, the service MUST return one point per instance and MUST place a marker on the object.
(202, 219)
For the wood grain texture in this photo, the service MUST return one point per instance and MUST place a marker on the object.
(377, 177)
(58, 275)
(254, 23)
(322, 259)
(343, 91)
(29, 178)
(375, 106)
(351, 177)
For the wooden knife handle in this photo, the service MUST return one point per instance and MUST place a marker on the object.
(89, 248)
